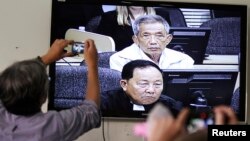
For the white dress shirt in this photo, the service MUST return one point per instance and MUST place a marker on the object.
(170, 59)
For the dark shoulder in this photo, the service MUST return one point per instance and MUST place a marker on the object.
(164, 13)
(110, 15)
(164, 97)
(173, 104)
(108, 20)
(114, 94)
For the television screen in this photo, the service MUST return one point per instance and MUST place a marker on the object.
(192, 41)
(188, 85)
(214, 35)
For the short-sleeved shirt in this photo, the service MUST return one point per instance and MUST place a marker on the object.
(64, 125)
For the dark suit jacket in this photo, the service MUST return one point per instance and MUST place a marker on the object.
(122, 35)
(115, 103)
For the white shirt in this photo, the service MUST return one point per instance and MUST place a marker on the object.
(170, 59)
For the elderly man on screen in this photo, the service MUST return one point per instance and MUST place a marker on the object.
(150, 40)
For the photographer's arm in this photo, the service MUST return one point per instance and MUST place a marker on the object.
(57, 52)
(90, 56)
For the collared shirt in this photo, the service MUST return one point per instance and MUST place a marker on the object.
(170, 59)
(65, 125)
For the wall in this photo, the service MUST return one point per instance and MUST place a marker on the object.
(25, 33)
(25, 29)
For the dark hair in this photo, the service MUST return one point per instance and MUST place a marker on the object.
(24, 87)
(128, 69)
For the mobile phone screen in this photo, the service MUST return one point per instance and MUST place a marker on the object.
(78, 47)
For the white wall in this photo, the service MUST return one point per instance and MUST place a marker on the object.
(24, 29)
(25, 33)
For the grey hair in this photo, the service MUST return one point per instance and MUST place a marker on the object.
(146, 19)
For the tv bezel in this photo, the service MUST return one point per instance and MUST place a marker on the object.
(243, 47)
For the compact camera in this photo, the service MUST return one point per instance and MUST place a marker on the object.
(78, 48)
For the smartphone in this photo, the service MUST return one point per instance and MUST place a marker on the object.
(78, 48)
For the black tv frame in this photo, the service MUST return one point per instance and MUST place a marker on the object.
(241, 10)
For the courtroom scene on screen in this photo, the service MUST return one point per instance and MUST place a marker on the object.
(148, 53)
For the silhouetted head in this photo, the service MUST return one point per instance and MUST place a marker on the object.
(24, 87)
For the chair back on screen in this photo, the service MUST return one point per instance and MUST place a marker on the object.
(225, 35)
(103, 43)
(71, 83)
(103, 59)
(235, 100)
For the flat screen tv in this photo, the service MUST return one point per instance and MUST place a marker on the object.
(189, 85)
(192, 41)
(219, 76)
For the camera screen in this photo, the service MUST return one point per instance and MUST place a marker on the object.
(77, 47)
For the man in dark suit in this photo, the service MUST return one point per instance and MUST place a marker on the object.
(141, 88)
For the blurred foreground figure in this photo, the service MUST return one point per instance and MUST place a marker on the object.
(162, 126)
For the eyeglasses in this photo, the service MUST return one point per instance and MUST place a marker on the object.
(158, 36)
